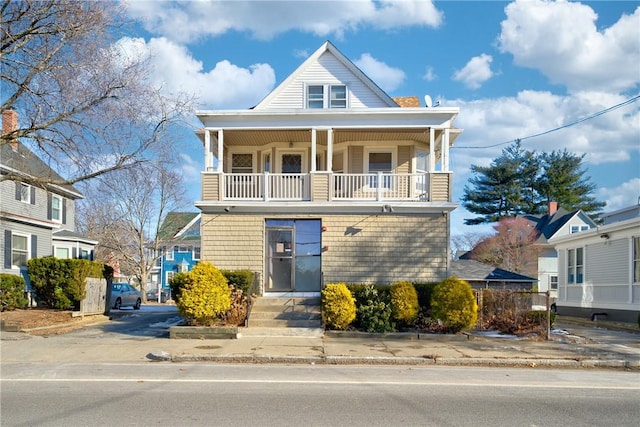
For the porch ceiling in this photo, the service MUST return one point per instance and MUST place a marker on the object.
(263, 137)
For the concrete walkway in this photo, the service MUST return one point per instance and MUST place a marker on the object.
(573, 345)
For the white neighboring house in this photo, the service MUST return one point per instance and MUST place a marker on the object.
(599, 269)
(557, 222)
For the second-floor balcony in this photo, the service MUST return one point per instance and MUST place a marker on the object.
(326, 186)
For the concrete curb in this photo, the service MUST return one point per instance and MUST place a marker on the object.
(163, 356)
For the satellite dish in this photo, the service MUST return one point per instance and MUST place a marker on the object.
(427, 101)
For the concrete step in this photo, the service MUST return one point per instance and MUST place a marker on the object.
(288, 315)
(281, 332)
(286, 308)
(278, 302)
(284, 323)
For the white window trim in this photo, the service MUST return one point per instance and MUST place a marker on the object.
(185, 251)
(68, 248)
(29, 189)
(193, 254)
(169, 253)
(26, 236)
(61, 202)
(254, 158)
(394, 163)
(169, 273)
(264, 161)
(302, 152)
(326, 95)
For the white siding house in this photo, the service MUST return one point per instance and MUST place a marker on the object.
(599, 271)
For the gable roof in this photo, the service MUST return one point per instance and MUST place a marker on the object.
(176, 223)
(548, 225)
(327, 47)
(17, 159)
(471, 270)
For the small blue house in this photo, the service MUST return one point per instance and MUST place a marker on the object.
(180, 247)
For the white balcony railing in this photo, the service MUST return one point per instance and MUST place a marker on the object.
(266, 186)
(373, 186)
(380, 186)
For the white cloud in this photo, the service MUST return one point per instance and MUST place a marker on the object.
(625, 195)
(429, 75)
(190, 169)
(225, 86)
(476, 72)
(385, 76)
(186, 21)
(562, 41)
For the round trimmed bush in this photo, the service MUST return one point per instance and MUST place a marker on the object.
(374, 310)
(453, 303)
(12, 290)
(205, 295)
(404, 302)
(338, 306)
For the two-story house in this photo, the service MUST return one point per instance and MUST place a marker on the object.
(35, 220)
(556, 222)
(328, 179)
(179, 236)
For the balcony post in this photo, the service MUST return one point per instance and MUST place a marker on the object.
(265, 186)
(208, 163)
(379, 187)
(220, 154)
(432, 150)
(329, 149)
(313, 149)
(445, 151)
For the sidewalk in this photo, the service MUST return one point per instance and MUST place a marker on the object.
(572, 346)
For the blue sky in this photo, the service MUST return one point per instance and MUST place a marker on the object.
(514, 69)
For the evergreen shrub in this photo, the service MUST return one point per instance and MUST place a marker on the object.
(61, 283)
(205, 296)
(176, 283)
(239, 279)
(424, 291)
(338, 306)
(373, 312)
(453, 303)
(12, 289)
(404, 303)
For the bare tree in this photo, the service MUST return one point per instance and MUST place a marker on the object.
(86, 107)
(511, 248)
(125, 211)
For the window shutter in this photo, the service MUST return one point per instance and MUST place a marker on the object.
(74, 254)
(7, 248)
(64, 211)
(18, 192)
(33, 195)
(34, 246)
(49, 205)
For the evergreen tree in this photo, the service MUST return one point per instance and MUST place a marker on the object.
(523, 182)
(563, 181)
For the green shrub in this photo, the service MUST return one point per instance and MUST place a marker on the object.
(424, 291)
(539, 317)
(338, 306)
(453, 302)
(404, 302)
(176, 284)
(373, 312)
(12, 289)
(61, 283)
(239, 279)
(205, 296)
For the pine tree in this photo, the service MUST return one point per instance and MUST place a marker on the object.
(523, 182)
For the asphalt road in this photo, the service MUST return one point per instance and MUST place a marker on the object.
(269, 395)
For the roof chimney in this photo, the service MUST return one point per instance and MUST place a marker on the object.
(553, 207)
(9, 125)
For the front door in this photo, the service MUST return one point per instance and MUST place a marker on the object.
(293, 255)
(279, 259)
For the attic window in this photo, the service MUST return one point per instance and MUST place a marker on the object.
(326, 96)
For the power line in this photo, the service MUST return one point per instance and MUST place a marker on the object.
(583, 119)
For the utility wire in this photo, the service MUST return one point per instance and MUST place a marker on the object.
(583, 119)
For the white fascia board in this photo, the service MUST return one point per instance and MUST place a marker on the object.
(74, 239)
(304, 118)
(186, 227)
(54, 188)
(630, 225)
(30, 221)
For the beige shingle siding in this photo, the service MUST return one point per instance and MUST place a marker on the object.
(356, 156)
(387, 248)
(211, 186)
(320, 187)
(440, 187)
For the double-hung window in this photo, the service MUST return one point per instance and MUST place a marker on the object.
(196, 252)
(56, 209)
(169, 253)
(19, 250)
(380, 162)
(575, 266)
(25, 193)
(326, 96)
